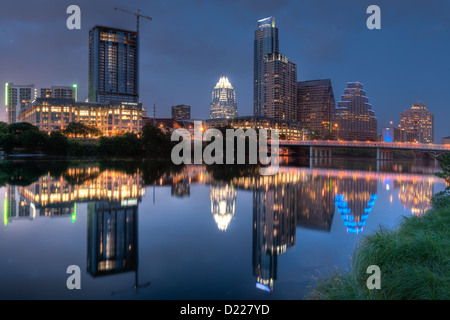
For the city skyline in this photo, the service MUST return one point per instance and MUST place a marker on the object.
(330, 43)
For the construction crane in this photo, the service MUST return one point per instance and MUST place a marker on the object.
(138, 15)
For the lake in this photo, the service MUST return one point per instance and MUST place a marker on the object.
(143, 230)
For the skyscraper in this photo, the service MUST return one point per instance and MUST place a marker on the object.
(266, 41)
(316, 107)
(17, 96)
(280, 88)
(354, 115)
(113, 65)
(223, 103)
(419, 121)
(181, 112)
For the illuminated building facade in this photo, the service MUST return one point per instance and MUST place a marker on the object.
(316, 107)
(266, 42)
(288, 130)
(17, 97)
(354, 115)
(181, 112)
(419, 121)
(223, 102)
(60, 92)
(51, 114)
(113, 65)
(280, 88)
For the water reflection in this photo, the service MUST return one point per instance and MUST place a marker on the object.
(297, 197)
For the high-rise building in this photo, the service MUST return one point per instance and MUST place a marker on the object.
(266, 41)
(113, 65)
(223, 102)
(16, 98)
(316, 107)
(181, 112)
(419, 121)
(354, 115)
(60, 92)
(280, 88)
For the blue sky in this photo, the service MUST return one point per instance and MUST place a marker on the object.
(190, 44)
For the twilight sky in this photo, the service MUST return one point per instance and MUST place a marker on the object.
(190, 44)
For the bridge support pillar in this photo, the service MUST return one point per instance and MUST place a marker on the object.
(319, 152)
(385, 154)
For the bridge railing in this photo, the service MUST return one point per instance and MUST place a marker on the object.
(367, 144)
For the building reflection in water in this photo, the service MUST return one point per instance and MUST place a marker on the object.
(223, 201)
(112, 219)
(112, 237)
(416, 196)
(50, 196)
(274, 223)
(295, 197)
(354, 207)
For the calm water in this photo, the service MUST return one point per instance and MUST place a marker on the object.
(142, 231)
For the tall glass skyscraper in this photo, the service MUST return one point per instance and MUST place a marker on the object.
(113, 65)
(266, 41)
(354, 115)
(223, 103)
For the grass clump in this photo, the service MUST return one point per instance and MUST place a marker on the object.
(414, 260)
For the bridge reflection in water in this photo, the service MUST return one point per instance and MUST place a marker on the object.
(294, 198)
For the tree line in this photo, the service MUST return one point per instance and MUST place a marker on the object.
(80, 140)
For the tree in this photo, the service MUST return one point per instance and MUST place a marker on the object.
(8, 142)
(155, 142)
(4, 128)
(444, 161)
(21, 127)
(79, 129)
(33, 140)
(57, 143)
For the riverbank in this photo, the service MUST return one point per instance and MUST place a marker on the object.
(413, 259)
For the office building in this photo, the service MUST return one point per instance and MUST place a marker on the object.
(51, 114)
(181, 112)
(316, 107)
(266, 42)
(355, 117)
(280, 88)
(446, 140)
(223, 101)
(17, 97)
(113, 65)
(419, 121)
(60, 92)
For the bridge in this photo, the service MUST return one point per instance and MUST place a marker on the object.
(322, 149)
